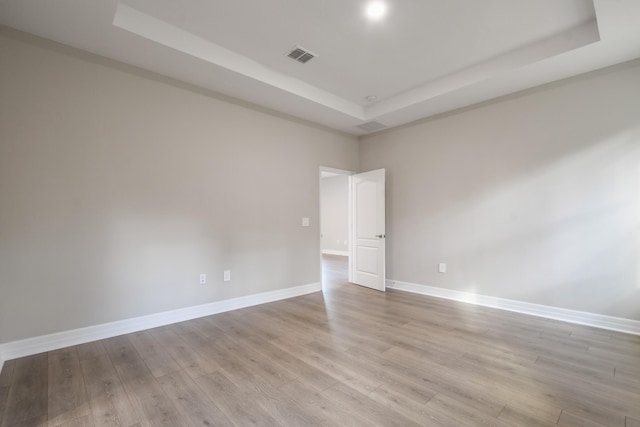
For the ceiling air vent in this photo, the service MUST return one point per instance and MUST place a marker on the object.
(372, 126)
(301, 55)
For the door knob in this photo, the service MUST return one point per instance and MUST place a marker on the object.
(380, 236)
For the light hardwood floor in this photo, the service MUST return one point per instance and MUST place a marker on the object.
(348, 356)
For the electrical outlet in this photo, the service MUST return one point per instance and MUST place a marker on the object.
(227, 275)
(442, 267)
(305, 222)
(203, 279)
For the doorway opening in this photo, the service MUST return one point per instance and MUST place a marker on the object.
(352, 214)
(334, 226)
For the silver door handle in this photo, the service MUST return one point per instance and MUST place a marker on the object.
(380, 236)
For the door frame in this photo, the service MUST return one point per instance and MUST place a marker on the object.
(334, 171)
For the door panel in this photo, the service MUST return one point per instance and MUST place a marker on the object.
(367, 261)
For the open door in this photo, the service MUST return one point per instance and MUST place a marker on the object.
(367, 251)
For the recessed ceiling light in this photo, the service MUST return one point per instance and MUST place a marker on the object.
(376, 10)
(371, 98)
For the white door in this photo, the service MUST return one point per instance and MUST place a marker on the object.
(367, 259)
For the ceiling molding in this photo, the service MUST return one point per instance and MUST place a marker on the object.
(143, 25)
(411, 69)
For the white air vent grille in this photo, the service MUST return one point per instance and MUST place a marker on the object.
(301, 55)
(372, 126)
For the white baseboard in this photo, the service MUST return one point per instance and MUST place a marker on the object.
(611, 323)
(30, 346)
(332, 252)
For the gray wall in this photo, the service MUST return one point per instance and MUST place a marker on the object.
(535, 197)
(334, 203)
(118, 187)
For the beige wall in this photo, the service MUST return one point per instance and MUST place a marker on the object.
(334, 204)
(533, 198)
(117, 188)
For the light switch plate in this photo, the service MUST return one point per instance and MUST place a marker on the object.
(305, 222)
(227, 275)
(442, 267)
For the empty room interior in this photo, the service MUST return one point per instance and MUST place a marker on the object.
(340, 212)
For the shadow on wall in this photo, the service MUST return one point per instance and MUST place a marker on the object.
(587, 224)
(557, 226)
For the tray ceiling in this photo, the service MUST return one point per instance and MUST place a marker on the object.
(423, 58)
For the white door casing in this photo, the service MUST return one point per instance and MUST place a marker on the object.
(367, 254)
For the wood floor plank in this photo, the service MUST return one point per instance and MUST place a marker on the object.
(84, 421)
(338, 372)
(158, 361)
(110, 405)
(7, 373)
(67, 392)
(589, 416)
(5, 382)
(359, 367)
(296, 367)
(618, 356)
(603, 377)
(191, 401)
(632, 422)
(233, 401)
(317, 404)
(305, 333)
(229, 324)
(591, 334)
(365, 407)
(579, 370)
(519, 413)
(568, 419)
(450, 411)
(27, 399)
(276, 403)
(203, 326)
(148, 399)
(433, 347)
(627, 339)
(397, 401)
(218, 354)
(253, 325)
(596, 400)
(186, 357)
(256, 362)
(629, 373)
(507, 376)
(566, 391)
(447, 380)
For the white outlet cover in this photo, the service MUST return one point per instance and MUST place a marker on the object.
(305, 222)
(203, 279)
(227, 275)
(442, 267)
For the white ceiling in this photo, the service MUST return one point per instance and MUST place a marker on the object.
(424, 58)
